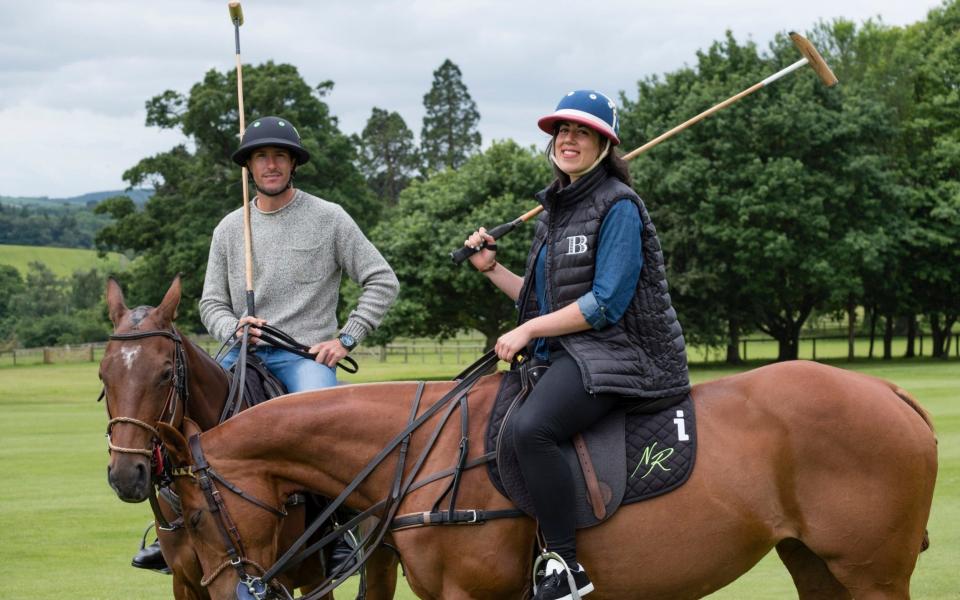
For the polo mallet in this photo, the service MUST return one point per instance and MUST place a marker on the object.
(236, 16)
(810, 56)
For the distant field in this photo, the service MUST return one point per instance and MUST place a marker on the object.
(62, 261)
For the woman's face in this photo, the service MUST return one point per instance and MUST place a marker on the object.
(575, 148)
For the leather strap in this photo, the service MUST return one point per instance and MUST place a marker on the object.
(590, 477)
(457, 517)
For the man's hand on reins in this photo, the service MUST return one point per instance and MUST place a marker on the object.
(254, 331)
(329, 353)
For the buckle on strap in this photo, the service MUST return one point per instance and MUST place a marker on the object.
(473, 516)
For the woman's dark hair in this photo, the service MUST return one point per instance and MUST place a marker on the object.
(616, 166)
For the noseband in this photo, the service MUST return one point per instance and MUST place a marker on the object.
(178, 391)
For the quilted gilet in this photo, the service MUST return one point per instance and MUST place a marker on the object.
(642, 355)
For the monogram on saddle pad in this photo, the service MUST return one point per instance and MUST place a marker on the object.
(632, 454)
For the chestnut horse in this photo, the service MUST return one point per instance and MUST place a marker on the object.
(833, 468)
(140, 371)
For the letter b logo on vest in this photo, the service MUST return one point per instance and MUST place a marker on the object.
(577, 244)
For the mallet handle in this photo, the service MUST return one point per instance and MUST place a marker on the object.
(236, 16)
(811, 56)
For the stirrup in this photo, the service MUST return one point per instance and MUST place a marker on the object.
(545, 555)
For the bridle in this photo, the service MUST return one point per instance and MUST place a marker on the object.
(206, 477)
(176, 398)
(175, 403)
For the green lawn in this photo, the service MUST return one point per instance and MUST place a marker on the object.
(62, 261)
(64, 533)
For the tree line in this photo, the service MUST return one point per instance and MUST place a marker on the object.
(799, 201)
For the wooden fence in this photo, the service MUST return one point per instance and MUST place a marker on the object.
(463, 352)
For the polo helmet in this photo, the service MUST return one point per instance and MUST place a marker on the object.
(270, 131)
(586, 107)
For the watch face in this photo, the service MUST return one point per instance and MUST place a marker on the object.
(348, 341)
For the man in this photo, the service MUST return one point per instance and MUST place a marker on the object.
(301, 247)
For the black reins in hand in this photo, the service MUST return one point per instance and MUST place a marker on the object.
(277, 339)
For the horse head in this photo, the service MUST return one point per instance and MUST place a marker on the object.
(144, 378)
(233, 524)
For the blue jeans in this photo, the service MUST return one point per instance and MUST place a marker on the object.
(298, 374)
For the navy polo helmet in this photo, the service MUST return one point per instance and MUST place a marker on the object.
(586, 107)
(270, 131)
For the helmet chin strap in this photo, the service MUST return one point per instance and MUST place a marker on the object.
(579, 174)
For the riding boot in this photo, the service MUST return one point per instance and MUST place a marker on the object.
(556, 583)
(340, 556)
(150, 557)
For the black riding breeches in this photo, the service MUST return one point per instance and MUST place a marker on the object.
(556, 410)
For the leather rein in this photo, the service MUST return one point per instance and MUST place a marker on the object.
(259, 587)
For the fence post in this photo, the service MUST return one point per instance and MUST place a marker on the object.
(744, 349)
(90, 348)
(47, 359)
(14, 357)
(921, 344)
(814, 348)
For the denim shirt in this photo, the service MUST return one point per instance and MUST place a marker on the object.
(619, 260)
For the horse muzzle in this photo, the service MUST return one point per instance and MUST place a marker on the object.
(130, 479)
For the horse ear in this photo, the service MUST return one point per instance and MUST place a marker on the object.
(115, 304)
(168, 307)
(175, 443)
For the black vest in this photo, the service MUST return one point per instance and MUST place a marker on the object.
(643, 355)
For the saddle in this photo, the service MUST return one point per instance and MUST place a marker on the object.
(259, 384)
(637, 452)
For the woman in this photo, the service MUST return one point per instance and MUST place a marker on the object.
(593, 303)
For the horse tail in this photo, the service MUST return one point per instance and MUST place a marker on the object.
(912, 403)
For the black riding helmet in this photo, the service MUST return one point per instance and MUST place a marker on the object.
(270, 131)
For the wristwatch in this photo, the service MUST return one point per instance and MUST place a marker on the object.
(349, 342)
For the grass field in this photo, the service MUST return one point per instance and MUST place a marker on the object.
(64, 533)
(62, 261)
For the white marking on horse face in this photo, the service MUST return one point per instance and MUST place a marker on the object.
(128, 355)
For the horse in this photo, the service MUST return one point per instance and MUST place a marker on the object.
(152, 373)
(833, 469)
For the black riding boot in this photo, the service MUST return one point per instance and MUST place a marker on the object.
(150, 557)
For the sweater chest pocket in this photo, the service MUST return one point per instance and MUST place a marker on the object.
(308, 265)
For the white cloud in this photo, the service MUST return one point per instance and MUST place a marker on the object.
(89, 67)
(64, 152)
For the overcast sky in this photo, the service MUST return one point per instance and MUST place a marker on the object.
(75, 74)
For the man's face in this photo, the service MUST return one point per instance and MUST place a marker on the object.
(271, 168)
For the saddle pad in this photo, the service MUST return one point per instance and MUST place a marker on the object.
(661, 450)
(636, 455)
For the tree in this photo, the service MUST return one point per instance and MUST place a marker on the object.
(388, 155)
(437, 298)
(769, 207)
(196, 188)
(449, 134)
(932, 172)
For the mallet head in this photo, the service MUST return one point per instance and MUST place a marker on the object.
(236, 12)
(813, 57)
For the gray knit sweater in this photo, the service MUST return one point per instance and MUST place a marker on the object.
(299, 254)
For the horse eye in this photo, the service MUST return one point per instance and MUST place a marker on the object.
(166, 375)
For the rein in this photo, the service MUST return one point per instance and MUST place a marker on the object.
(297, 553)
(452, 400)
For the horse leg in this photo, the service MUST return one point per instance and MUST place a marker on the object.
(382, 574)
(810, 574)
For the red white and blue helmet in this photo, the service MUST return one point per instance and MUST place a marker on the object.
(586, 107)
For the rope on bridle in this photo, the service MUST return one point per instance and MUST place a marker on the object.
(132, 421)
